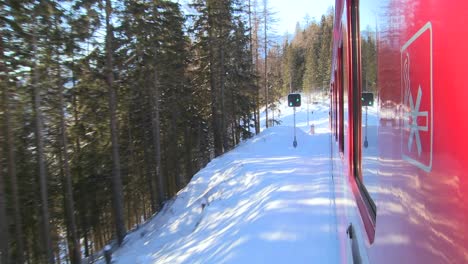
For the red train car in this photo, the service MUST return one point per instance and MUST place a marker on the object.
(400, 162)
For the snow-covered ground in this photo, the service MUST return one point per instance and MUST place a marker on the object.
(263, 202)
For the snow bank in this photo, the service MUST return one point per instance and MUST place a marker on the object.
(263, 202)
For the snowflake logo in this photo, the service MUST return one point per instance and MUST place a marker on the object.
(418, 106)
(412, 120)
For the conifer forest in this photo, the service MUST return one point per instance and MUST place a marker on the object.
(108, 108)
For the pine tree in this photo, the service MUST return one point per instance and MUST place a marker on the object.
(256, 61)
(12, 175)
(68, 193)
(210, 29)
(4, 230)
(39, 135)
(241, 83)
(183, 98)
(253, 46)
(116, 178)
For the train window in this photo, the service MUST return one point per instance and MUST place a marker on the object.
(364, 79)
(369, 135)
(341, 98)
(335, 112)
(333, 108)
(330, 113)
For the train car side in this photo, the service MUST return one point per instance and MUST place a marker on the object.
(399, 165)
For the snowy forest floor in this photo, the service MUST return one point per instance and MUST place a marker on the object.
(263, 202)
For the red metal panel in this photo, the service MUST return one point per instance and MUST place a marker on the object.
(422, 189)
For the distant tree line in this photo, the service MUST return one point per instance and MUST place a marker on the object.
(301, 64)
(369, 60)
(108, 108)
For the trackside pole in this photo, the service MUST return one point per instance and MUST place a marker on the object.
(295, 141)
(366, 143)
(294, 100)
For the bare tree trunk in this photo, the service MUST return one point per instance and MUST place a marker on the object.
(129, 210)
(116, 179)
(155, 98)
(217, 133)
(235, 126)
(136, 207)
(265, 2)
(36, 230)
(179, 179)
(13, 180)
(188, 153)
(252, 70)
(223, 108)
(4, 232)
(4, 254)
(75, 256)
(41, 160)
(147, 144)
(133, 160)
(257, 92)
(218, 148)
(148, 172)
(256, 43)
(83, 217)
(144, 115)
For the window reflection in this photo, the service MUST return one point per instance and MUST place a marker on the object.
(369, 120)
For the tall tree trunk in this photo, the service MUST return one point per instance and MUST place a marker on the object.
(218, 147)
(188, 153)
(116, 179)
(75, 255)
(4, 254)
(136, 206)
(223, 104)
(155, 98)
(174, 149)
(129, 210)
(148, 171)
(4, 232)
(256, 51)
(146, 115)
(147, 144)
(36, 229)
(11, 165)
(252, 69)
(235, 127)
(41, 160)
(203, 146)
(266, 59)
(79, 171)
(217, 135)
(14, 181)
(133, 159)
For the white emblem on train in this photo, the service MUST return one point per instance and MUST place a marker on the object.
(411, 118)
(417, 91)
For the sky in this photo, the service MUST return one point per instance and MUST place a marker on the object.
(289, 12)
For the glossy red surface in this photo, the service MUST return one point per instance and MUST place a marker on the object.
(416, 170)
